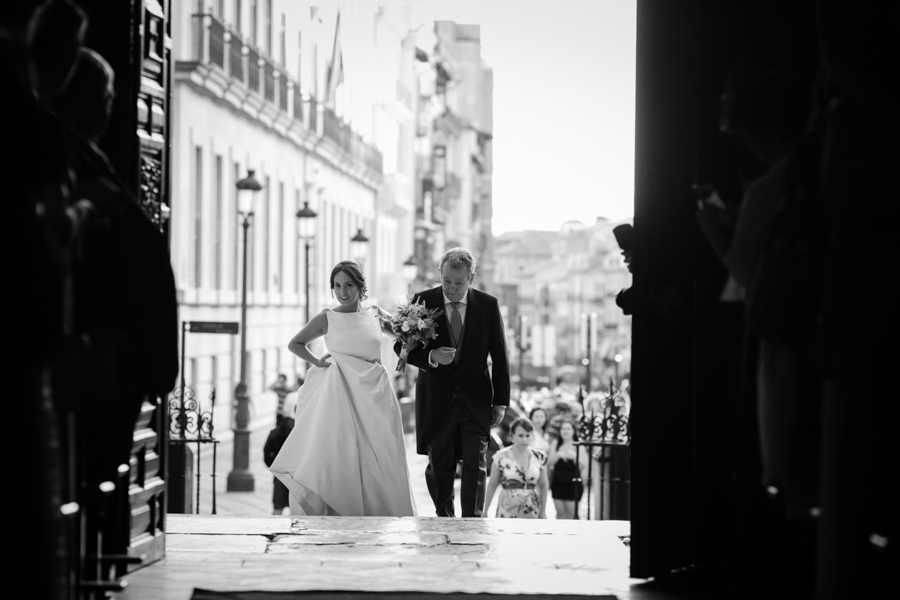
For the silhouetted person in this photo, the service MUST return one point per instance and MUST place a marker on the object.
(859, 533)
(769, 110)
(36, 254)
(124, 288)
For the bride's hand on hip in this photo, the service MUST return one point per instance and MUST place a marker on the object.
(322, 362)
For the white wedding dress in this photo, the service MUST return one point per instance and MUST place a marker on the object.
(346, 455)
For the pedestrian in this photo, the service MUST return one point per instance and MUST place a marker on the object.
(458, 398)
(539, 419)
(521, 472)
(561, 411)
(282, 389)
(568, 471)
(283, 426)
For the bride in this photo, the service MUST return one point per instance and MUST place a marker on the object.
(345, 455)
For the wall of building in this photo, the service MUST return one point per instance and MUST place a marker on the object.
(223, 128)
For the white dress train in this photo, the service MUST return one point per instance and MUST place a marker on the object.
(346, 455)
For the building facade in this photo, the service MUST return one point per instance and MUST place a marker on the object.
(318, 101)
(453, 151)
(562, 303)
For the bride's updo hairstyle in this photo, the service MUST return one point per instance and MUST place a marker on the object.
(354, 272)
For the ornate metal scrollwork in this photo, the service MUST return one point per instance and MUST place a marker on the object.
(186, 417)
(151, 179)
(611, 426)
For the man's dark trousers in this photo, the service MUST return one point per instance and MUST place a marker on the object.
(460, 429)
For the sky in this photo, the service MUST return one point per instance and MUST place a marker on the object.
(564, 76)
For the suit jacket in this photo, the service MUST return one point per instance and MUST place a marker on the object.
(469, 377)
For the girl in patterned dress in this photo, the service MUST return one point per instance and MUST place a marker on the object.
(521, 472)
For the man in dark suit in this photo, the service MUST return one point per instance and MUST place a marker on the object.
(459, 397)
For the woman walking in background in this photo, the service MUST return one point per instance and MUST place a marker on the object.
(521, 471)
(568, 470)
(345, 455)
(539, 440)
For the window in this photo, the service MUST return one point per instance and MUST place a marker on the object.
(214, 375)
(237, 15)
(238, 240)
(264, 234)
(299, 59)
(220, 9)
(263, 369)
(283, 55)
(279, 241)
(269, 28)
(253, 23)
(196, 278)
(314, 88)
(297, 244)
(194, 373)
(217, 224)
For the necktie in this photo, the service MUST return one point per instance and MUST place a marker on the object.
(456, 324)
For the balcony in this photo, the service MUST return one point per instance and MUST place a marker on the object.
(221, 55)
(313, 114)
(235, 56)
(253, 78)
(268, 70)
(282, 91)
(350, 141)
(227, 67)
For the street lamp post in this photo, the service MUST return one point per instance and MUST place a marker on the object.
(241, 479)
(307, 225)
(359, 246)
(522, 347)
(587, 358)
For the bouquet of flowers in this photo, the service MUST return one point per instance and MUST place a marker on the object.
(413, 323)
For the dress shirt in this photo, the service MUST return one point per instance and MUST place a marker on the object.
(448, 308)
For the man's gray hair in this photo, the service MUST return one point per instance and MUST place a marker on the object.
(458, 257)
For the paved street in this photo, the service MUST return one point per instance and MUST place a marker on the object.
(259, 502)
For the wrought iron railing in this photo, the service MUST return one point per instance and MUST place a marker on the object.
(607, 438)
(374, 158)
(298, 102)
(253, 77)
(268, 80)
(283, 91)
(209, 39)
(313, 114)
(331, 126)
(216, 41)
(190, 424)
(236, 57)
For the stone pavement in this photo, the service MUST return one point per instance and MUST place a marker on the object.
(387, 554)
(259, 502)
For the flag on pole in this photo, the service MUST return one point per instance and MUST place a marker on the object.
(336, 67)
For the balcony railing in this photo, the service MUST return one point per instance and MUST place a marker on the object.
(268, 80)
(216, 44)
(209, 39)
(313, 114)
(298, 103)
(374, 159)
(252, 68)
(236, 57)
(331, 126)
(283, 91)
